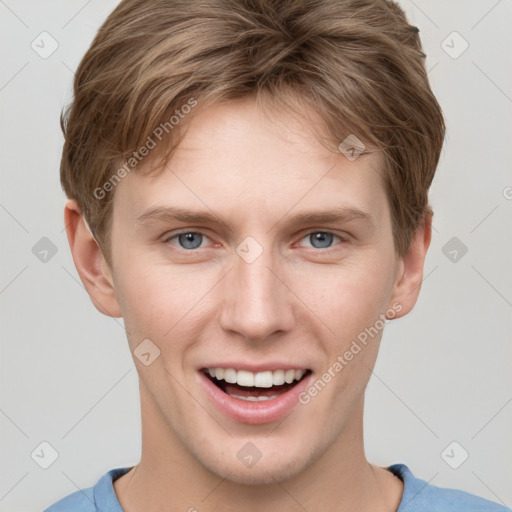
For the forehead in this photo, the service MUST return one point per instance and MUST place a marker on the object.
(235, 158)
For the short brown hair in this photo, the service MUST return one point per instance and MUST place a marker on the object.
(357, 62)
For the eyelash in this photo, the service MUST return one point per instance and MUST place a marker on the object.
(167, 239)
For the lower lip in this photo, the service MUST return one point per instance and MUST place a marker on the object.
(254, 413)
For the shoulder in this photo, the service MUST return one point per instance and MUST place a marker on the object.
(97, 498)
(79, 501)
(420, 496)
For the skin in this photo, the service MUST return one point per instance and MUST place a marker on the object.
(300, 301)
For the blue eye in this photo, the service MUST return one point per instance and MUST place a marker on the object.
(191, 240)
(188, 240)
(321, 239)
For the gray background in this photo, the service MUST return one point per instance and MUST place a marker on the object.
(444, 370)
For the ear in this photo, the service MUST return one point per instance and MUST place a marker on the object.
(410, 270)
(90, 262)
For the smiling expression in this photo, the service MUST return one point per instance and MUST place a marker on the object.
(252, 262)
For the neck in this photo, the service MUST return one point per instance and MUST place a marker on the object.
(169, 477)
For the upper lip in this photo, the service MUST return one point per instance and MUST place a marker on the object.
(255, 368)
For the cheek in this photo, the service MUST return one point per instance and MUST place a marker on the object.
(354, 304)
(347, 299)
(160, 304)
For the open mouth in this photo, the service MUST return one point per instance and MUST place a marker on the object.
(255, 387)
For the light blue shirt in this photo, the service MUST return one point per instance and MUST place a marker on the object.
(418, 496)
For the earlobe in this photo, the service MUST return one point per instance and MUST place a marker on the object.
(410, 270)
(90, 262)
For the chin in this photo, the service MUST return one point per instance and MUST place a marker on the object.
(261, 474)
(270, 469)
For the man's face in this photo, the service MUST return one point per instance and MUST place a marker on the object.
(256, 291)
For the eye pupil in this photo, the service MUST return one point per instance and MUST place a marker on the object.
(325, 239)
(187, 240)
(191, 240)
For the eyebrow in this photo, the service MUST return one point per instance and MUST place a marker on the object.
(171, 213)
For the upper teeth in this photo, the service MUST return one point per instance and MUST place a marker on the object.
(265, 379)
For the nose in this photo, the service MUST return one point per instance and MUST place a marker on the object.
(257, 301)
